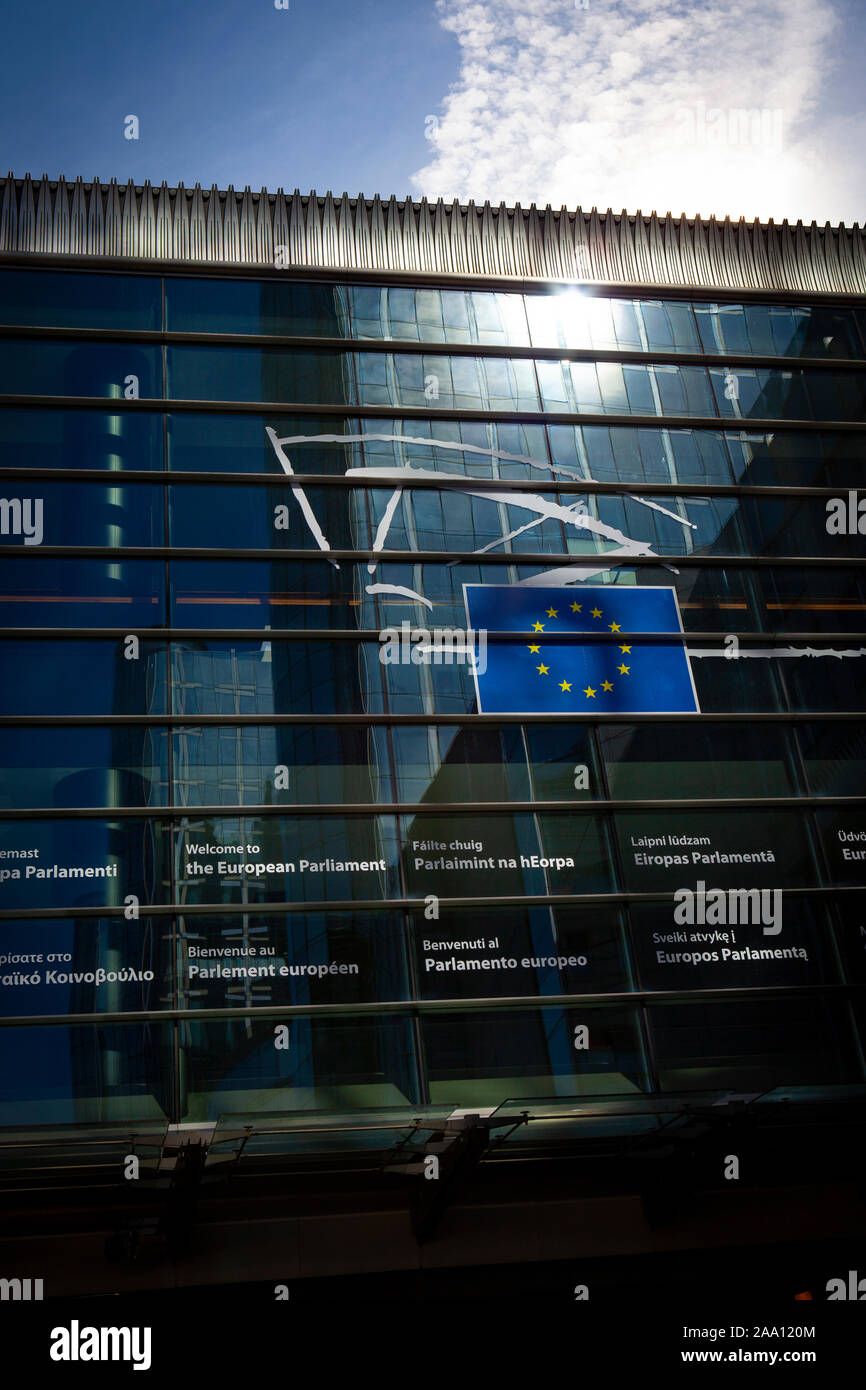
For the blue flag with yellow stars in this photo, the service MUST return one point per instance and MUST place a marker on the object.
(620, 675)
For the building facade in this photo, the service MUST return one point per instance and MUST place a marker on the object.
(275, 850)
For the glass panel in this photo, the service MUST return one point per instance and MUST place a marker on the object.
(345, 677)
(538, 762)
(827, 678)
(812, 599)
(834, 755)
(670, 327)
(429, 688)
(261, 518)
(70, 767)
(299, 958)
(421, 676)
(670, 525)
(76, 299)
(627, 453)
(81, 593)
(271, 374)
(789, 459)
(438, 316)
(276, 678)
(261, 593)
(85, 1073)
(473, 449)
(580, 319)
(268, 765)
(795, 395)
(199, 443)
(39, 367)
(717, 598)
(735, 391)
(496, 855)
(81, 863)
(489, 1057)
(72, 966)
(753, 1046)
(258, 374)
(563, 765)
(733, 948)
(102, 677)
(569, 319)
(843, 836)
(469, 954)
(783, 329)
(811, 526)
(273, 859)
(631, 453)
(80, 439)
(439, 382)
(289, 308)
(673, 761)
(74, 513)
(683, 390)
(850, 928)
(735, 687)
(836, 395)
(429, 519)
(670, 850)
(331, 1064)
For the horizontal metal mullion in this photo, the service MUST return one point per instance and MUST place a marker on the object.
(521, 351)
(266, 1012)
(282, 909)
(153, 266)
(465, 720)
(427, 808)
(320, 634)
(422, 557)
(166, 477)
(402, 412)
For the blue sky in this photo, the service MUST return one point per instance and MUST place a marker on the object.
(327, 94)
(627, 103)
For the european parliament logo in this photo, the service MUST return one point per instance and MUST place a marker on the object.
(613, 674)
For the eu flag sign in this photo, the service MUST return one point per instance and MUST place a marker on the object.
(617, 676)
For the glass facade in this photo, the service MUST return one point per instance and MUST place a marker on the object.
(250, 778)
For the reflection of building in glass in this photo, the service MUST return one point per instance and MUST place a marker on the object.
(459, 395)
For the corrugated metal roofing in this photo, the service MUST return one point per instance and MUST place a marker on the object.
(225, 228)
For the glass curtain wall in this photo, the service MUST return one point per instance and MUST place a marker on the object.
(611, 842)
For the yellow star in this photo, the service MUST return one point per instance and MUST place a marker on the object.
(535, 649)
(596, 612)
(564, 685)
(606, 685)
(614, 627)
(542, 670)
(538, 627)
(575, 608)
(625, 649)
(624, 670)
(552, 613)
(589, 693)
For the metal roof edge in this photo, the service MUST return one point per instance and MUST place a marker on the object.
(149, 223)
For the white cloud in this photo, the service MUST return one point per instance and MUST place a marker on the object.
(645, 104)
